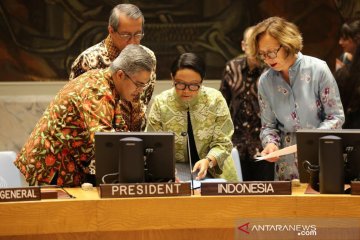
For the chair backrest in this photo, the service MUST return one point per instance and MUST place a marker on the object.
(10, 175)
(235, 156)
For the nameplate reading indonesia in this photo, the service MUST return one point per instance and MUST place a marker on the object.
(20, 194)
(128, 190)
(247, 188)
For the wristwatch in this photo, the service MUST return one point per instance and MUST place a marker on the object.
(211, 164)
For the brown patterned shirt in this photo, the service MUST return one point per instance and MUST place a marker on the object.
(100, 56)
(62, 141)
(239, 88)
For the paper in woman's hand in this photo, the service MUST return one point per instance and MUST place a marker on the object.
(278, 153)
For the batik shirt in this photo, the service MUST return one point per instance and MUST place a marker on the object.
(63, 139)
(311, 100)
(101, 55)
(211, 124)
(349, 87)
(239, 88)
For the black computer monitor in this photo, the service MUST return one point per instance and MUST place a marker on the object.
(308, 150)
(134, 157)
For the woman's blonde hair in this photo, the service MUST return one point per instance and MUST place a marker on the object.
(283, 31)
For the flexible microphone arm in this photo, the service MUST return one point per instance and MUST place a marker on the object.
(184, 134)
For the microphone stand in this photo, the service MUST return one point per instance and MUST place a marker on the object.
(184, 134)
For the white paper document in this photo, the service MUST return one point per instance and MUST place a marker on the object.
(197, 183)
(278, 153)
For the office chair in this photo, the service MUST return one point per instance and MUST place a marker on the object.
(10, 176)
(236, 158)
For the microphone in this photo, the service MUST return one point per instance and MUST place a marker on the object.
(184, 134)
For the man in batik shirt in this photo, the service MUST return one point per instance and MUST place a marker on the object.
(61, 146)
(239, 88)
(125, 27)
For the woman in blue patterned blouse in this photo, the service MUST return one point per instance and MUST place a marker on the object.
(297, 91)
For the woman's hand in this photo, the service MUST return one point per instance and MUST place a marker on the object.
(269, 148)
(201, 165)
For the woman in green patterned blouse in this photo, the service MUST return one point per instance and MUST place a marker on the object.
(211, 124)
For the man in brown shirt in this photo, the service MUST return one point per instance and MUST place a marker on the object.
(239, 88)
(126, 26)
(60, 150)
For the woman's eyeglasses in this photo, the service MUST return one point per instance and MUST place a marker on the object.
(191, 87)
(270, 55)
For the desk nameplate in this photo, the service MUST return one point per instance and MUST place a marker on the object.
(20, 194)
(129, 190)
(247, 188)
(355, 188)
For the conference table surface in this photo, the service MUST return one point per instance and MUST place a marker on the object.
(183, 217)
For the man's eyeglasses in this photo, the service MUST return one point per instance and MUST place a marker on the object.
(270, 55)
(129, 36)
(191, 87)
(137, 84)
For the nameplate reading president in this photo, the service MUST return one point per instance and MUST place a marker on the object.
(128, 190)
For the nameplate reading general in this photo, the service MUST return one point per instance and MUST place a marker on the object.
(247, 188)
(128, 190)
(20, 194)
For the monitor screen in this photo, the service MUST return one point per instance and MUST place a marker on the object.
(134, 157)
(308, 150)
